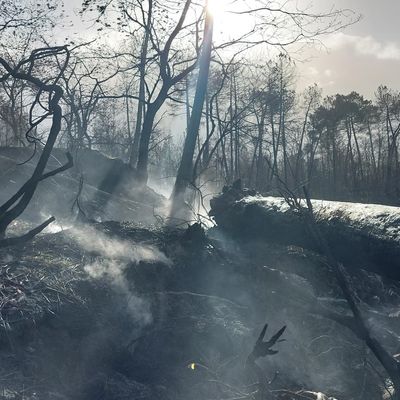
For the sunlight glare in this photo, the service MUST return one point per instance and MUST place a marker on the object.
(217, 7)
(226, 24)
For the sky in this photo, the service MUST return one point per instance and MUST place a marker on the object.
(363, 56)
(360, 58)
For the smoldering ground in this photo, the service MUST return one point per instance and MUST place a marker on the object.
(79, 340)
(155, 304)
(157, 301)
(112, 257)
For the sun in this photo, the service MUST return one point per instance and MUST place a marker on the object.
(230, 19)
(227, 23)
(217, 7)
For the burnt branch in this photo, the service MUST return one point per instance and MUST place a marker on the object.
(16, 241)
(24, 71)
(262, 349)
(357, 323)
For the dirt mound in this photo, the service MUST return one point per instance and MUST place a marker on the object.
(109, 189)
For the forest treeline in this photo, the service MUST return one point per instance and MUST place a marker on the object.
(255, 125)
(153, 83)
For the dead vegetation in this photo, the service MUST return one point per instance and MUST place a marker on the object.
(136, 325)
(36, 282)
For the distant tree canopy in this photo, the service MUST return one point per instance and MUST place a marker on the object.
(120, 97)
(169, 37)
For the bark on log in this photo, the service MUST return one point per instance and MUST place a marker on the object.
(360, 235)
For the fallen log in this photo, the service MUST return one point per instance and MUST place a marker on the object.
(360, 235)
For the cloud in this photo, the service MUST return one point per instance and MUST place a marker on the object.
(313, 71)
(365, 45)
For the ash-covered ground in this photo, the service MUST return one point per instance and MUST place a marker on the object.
(115, 310)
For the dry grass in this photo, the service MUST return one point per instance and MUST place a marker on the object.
(37, 279)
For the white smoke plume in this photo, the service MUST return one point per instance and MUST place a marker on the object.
(92, 240)
(113, 256)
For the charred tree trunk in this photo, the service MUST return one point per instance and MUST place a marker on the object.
(185, 168)
(17, 204)
(148, 123)
(134, 149)
(358, 325)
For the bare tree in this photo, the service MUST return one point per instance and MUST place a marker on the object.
(84, 86)
(46, 88)
(21, 16)
(185, 168)
(168, 63)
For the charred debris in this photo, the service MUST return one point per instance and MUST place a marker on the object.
(112, 310)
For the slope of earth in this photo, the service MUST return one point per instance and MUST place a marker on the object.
(115, 311)
(107, 188)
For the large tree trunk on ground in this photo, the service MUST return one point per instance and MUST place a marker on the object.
(360, 235)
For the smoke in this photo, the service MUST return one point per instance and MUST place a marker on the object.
(113, 257)
(94, 241)
(113, 271)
